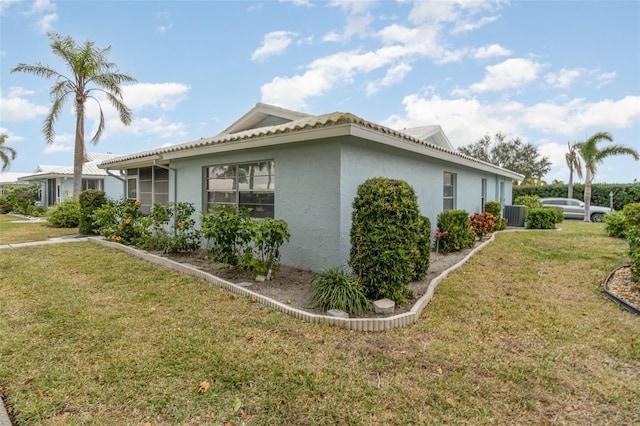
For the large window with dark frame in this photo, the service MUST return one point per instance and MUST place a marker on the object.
(250, 185)
(449, 192)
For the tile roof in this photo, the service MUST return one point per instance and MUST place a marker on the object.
(305, 123)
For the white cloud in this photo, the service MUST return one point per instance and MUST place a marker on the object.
(15, 107)
(159, 95)
(273, 43)
(605, 78)
(564, 78)
(45, 23)
(394, 75)
(491, 51)
(5, 4)
(465, 120)
(358, 19)
(470, 25)
(3, 53)
(41, 6)
(512, 73)
(305, 3)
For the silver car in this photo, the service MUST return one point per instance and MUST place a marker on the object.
(574, 209)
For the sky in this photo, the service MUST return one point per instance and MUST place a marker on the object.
(548, 72)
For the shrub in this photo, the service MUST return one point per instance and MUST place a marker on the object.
(184, 236)
(632, 215)
(624, 193)
(456, 233)
(540, 218)
(334, 289)
(559, 213)
(384, 237)
(121, 221)
(482, 223)
(423, 255)
(529, 201)
(227, 231)
(614, 224)
(267, 236)
(90, 200)
(36, 211)
(20, 197)
(495, 208)
(64, 215)
(633, 237)
(5, 207)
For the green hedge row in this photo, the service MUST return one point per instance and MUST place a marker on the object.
(623, 193)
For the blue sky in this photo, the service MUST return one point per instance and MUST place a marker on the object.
(548, 72)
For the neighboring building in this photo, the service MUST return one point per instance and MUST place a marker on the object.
(56, 182)
(9, 180)
(306, 169)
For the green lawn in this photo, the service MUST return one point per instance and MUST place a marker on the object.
(522, 334)
(11, 233)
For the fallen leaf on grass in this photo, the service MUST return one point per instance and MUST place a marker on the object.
(246, 416)
(204, 386)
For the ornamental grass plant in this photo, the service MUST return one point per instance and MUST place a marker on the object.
(336, 289)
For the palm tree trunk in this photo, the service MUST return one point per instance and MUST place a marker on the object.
(587, 195)
(78, 157)
(570, 190)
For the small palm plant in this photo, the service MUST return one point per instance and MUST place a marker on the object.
(335, 289)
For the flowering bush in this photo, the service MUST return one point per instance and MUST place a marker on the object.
(482, 223)
(121, 221)
(171, 228)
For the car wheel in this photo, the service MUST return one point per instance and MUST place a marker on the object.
(596, 217)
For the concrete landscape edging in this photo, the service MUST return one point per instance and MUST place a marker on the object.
(355, 324)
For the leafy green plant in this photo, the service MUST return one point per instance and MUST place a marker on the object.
(632, 215)
(90, 200)
(623, 193)
(614, 224)
(335, 289)
(482, 223)
(36, 211)
(495, 208)
(184, 236)
(455, 230)
(121, 221)
(633, 237)
(559, 213)
(20, 197)
(64, 215)
(384, 237)
(423, 242)
(227, 232)
(267, 236)
(5, 207)
(529, 201)
(540, 218)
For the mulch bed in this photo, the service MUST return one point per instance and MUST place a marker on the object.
(620, 285)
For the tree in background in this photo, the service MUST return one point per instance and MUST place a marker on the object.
(515, 155)
(573, 161)
(90, 71)
(7, 154)
(592, 156)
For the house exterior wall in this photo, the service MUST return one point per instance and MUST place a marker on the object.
(316, 183)
(114, 188)
(307, 195)
(361, 160)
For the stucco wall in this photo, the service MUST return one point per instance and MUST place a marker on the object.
(306, 196)
(316, 183)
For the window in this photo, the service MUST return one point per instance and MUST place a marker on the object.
(449, 191)
(148, 185)
(97, 184)
(250, 185)
(484, 195)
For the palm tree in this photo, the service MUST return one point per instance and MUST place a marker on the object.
(7, 154)
(90, 71)
(573, 161)
(592, 155)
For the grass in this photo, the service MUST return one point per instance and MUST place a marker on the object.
(520, 335)
(12, 233)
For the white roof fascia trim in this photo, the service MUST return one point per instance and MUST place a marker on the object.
(429, 152)
(131, 163)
